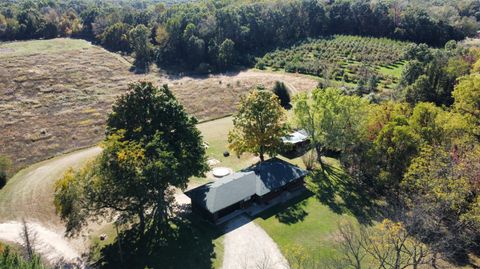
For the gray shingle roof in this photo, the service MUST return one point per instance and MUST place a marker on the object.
(259, 179)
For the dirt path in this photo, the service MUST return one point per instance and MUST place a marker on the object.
(47, 243)
(247, 246)
(28, 195)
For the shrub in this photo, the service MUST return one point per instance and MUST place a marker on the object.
(283, 94)
(5, 165)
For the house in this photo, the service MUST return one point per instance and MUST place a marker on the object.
(257, 184)
(296, 144)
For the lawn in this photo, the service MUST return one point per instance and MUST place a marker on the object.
(309, 223)
(310, 230)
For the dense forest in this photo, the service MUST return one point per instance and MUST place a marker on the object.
(214, 35)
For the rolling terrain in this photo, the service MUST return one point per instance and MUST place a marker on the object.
(55, 94)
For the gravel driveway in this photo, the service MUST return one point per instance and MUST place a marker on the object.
(247, 246)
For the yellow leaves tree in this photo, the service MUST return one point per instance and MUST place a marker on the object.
(467, 101)
(387, 245)
(259, 125)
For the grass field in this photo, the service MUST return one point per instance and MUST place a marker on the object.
(55, 95)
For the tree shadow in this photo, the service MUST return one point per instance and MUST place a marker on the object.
(290, 212)
(188, 244)
(334, 188)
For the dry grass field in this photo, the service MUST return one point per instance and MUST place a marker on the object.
(55, 95)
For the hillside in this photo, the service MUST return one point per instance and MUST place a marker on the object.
(348, 60)
(55, 95)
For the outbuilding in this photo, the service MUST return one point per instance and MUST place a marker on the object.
(296, 144)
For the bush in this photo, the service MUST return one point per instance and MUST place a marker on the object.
(283, 94)
(5, 165)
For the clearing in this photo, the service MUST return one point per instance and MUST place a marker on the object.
(55, 95)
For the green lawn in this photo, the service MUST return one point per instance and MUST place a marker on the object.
(392, 70)
(24, 48)
(309, 223)
(311, 230)
(215, 133)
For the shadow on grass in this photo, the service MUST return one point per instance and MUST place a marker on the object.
(188, 244)
(334, 189)
(291, 212)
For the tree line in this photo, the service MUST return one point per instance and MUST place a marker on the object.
(214, 35)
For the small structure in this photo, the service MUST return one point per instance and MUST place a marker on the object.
(220, 172)
(296, 144)
(259, 183)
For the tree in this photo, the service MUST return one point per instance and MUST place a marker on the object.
(282, 93)
(226, 54)
(140, 42)
(5, 165)
(387, 245)
(161, 36)
(333, 121)
(424, 121)
(152, 147)
(395, 146)
(115, 37)
(467, 101)
(259, 125)
(12, 260)
(444, 185)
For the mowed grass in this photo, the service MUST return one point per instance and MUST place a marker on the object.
(313, 235)
(309, 224)
(392, 70)
(25, 48)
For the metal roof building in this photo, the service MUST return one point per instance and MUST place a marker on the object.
(258, 183)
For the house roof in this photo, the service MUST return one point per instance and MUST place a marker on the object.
(295, 137)
(259, 179)
(273, 174)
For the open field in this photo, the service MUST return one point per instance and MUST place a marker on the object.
(55, 95)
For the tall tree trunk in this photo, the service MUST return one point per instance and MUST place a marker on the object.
(319, 151)
(261, 153)
(141, 216)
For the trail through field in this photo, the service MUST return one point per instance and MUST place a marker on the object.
(47, 243)
(247, 246)
(28, 195)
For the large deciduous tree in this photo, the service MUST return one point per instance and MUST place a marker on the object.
(467, 101)
(334, 121)
(140, 43)
(259, 125)
(115, 37)
(152, 146)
